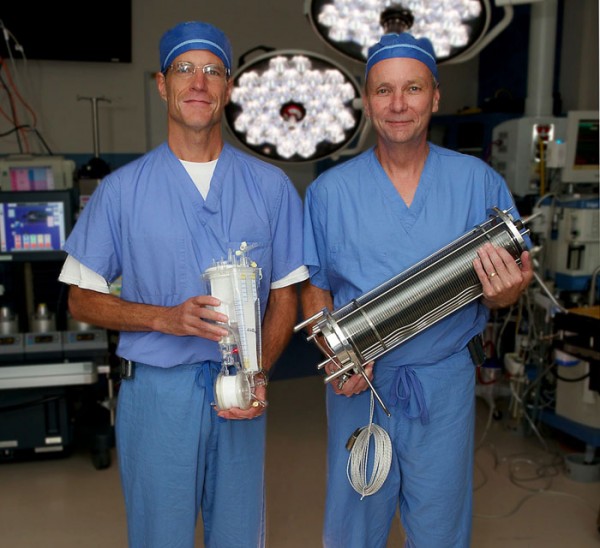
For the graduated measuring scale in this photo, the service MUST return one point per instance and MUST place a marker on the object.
(235, 283)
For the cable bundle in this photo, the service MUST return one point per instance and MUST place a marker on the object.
(356, 470)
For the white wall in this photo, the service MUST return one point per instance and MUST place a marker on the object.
(579, 55)
(129, 123)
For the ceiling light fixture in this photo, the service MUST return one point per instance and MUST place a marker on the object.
(294, 106)
(453, 26)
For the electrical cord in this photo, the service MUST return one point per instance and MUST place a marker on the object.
(27, 404)
(567, 379)
(13, 109)
(359, 445)
(541, 470)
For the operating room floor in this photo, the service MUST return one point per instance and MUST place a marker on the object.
(522, 500)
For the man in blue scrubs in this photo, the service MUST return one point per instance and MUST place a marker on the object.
(367, 220)
(159, 223)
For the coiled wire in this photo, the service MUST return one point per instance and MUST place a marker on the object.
(356, 469)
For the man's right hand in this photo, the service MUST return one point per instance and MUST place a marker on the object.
(195, 317)
(355, 383)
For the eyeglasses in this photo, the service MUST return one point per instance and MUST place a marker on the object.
(185, 69)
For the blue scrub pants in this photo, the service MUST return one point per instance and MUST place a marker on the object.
(177, 457)
(432, 464)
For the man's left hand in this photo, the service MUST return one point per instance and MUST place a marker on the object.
(502, 279)
(258, 406)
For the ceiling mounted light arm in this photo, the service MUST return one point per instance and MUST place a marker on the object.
(264, 49)
(359, 145)
(486, 38)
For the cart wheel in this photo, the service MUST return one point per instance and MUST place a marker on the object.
(101, 450)
(101, 460)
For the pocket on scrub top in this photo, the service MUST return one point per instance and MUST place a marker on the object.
(159, 262)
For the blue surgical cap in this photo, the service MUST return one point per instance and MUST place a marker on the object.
(194, 35)
(404, 45)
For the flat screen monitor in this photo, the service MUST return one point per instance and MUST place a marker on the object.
(581, 157)
(27, 172)
(35, 225)
(69, 30)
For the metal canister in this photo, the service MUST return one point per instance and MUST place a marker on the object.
(43, 320)
(9, 321)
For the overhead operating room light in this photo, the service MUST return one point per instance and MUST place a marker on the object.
(352, 26)
(294, 106)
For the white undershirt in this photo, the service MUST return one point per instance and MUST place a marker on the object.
(201, 173)
(74, 273)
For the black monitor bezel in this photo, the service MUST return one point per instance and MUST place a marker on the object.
(572, 172)
(67, 32)
(65, 196)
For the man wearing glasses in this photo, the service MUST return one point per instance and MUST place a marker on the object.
(159, 223)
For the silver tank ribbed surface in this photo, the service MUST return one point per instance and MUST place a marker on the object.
(422, 295)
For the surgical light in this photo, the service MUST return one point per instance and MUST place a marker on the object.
(291, 105)
(378, 321)
(352, 26)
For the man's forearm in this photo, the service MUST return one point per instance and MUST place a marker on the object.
(111, 312)
(278, 323)
(314, 299)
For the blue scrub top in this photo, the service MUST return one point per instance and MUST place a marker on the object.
(148, 223)
(359, 233)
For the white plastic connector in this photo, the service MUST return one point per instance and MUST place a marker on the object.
(513, 364)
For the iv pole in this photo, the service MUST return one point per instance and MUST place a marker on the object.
(96, 168)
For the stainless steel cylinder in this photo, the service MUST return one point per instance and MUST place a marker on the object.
(381, 319)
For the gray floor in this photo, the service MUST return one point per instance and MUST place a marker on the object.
(524, 498)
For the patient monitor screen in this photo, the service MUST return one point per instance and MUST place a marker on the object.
(32, 226)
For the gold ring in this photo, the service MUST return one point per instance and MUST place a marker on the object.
(342, 381)
(490, 276)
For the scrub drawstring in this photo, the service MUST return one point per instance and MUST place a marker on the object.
(206, 374)
(406, 388)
